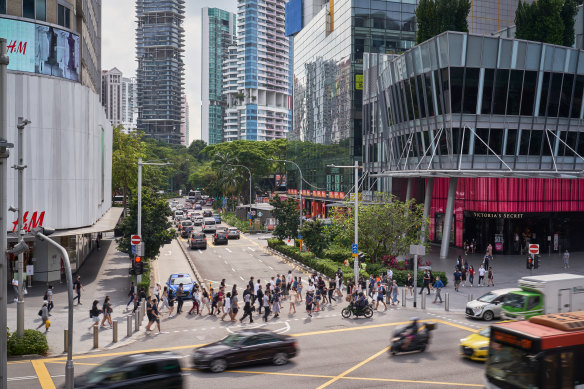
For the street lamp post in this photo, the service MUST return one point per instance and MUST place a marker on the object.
(140, 164)
(356, 195)
(301, 179)
(249, 171)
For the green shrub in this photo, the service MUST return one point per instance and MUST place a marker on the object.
(33, 342)
(232, 220)
(337, 254)
(145, 278)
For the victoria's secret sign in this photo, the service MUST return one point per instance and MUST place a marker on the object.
(496, 215)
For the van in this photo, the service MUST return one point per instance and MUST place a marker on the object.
(209, 225)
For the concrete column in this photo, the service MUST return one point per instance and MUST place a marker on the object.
(409, 189)
(448, 217)
(427, 204)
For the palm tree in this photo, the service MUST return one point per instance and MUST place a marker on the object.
(230, 178)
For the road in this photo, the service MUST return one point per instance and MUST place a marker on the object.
(333, 352)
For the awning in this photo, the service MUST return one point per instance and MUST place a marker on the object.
(107, 223)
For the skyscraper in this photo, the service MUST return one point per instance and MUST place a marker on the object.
(160, 76)
(218, 35)
(111, 95)
(129, 104)
(259, 109)
(184, 127)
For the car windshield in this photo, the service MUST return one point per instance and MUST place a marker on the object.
(198, 236)
(187, 224)
(486, 332)
(210, 222)
(232, 340)
(487, 298)
(512, 366)
(515, 300)
(181, 280)
(100, 372)
(233, 230)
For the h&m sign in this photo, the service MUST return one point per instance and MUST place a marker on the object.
(36, 220)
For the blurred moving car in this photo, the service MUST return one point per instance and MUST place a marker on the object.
(245, 347)
(489, 305)
(198, 241)
(145, 370)
(181, 278)
(220, 237)
(476, 345)
(209, 225)
(233, 233)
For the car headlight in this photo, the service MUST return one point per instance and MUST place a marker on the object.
(477, 310)
(484, 348)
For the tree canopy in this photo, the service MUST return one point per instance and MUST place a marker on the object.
(437, 16)
(549, 21)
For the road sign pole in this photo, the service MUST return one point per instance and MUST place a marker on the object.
(139, 276)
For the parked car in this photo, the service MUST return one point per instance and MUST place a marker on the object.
(144, 370)
(220, 237)
(198, 241)
(245, 347)
(207, 213)
(233, 233)
(489, 305)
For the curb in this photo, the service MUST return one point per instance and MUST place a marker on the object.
(198, 277)
(297, 263)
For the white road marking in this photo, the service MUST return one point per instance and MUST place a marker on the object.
(228, 249)
(200, 251)
(232, 269)
(241, 278)
(225, 262)
(270, 267)
(251, 249)
(260, 260)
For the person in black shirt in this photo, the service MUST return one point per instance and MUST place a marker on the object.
(77, 286)
(331, 289)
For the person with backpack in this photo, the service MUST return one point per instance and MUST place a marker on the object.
(309, 304)
(131, 294)
(44, 314)
(380, 295)
(48, 297)
(214, 301)
(94, 313)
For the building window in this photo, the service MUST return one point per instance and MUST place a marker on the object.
(41, 10)
(28, 9)
(2, 6)
(63, 16)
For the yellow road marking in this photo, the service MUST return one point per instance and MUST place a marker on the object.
(43, 374)
(253, 242)
(76, 363)
(50, 360)
(210, 242)
(455, 325)
(350, 370)
(351, 329)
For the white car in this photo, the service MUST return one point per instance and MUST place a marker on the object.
(488, 306)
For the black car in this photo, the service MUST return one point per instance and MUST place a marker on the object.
(245, 347)
(220, 237)
(198, 241)
(145, 371)
(207, 213)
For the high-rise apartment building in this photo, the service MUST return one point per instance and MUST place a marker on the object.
(218, 35)
(160, 75)
(184, 128)
(111, 95)
(259, 109)
(129, 104)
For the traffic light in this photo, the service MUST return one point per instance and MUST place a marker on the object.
(529, 262)
(139, 265)
(133, 269)
(536, 262)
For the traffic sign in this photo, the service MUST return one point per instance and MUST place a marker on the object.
(136, 239)
(417, 249)
(355, 248)
(533, 249)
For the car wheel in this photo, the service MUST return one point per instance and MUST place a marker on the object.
(280, 359)
(218, 365)
(488, 316)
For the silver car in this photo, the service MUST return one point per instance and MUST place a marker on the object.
(488, 306)
(233, 233)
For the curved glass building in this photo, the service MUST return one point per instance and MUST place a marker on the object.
(497, 120)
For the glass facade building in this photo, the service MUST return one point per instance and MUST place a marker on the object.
(500, 117)
(218, 35)
(160, 74)
(328, 84)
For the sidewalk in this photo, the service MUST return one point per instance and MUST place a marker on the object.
(105, 272)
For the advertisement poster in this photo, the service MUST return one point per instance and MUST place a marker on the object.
(42, 49)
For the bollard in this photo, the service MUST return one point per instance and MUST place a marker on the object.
(95, 337)
(403, 297)
(129, 326)
(115, 331)
(142, 312)
(470, 297)
(66, 342)
(446, 302)
(137, 321)
(423, 300)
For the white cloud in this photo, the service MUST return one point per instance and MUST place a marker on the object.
(119, 46)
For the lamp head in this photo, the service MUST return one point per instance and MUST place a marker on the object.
(20, 248)
(46, 231)
(12, 209)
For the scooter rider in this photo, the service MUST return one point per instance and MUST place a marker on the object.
(410, 332)
(361, 302)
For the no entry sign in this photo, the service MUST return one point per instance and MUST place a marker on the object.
(533, 249)
(135, 240)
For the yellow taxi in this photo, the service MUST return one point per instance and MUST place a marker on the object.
(476, 346)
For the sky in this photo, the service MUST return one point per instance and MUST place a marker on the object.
(118, 39)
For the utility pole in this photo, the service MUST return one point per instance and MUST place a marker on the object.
(20, 167)
(4, 153)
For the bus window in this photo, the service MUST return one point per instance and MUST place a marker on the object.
(567, 362)
(550, 368)
(512, 365)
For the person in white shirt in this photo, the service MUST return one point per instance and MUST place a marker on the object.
(226, 306)
(481, 275)
(390, 274)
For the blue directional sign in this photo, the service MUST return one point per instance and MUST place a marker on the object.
(355, 248)
(133, 250)
(299, 235)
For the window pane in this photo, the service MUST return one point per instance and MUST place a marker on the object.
(471, 87)
(580, 146)
(496, 140)
(456, 79)
(548, 145)
(60, 15)
(439, 92)
(555, 90)
(511, 142)
(67, 18)
(488, 91)
(515, 84)
(480, 148)
(414, 92)
(524, 142)
(535, 142)
(577, 102)
(545, 85)
(28, 9)
(445, 90)
(429, 97)
(566, 95)
(456, 140)
(571, 141)
(502, 79)
(420, 88)
(528, 93)
(41, 9)
(2, 6)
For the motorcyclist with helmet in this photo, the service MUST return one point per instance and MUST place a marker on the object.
(361, 302)
(409, 333)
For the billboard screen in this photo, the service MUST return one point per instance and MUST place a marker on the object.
(41, 49)
(293, 17)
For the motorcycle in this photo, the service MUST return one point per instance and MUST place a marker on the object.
(419, 343)
(352, 309)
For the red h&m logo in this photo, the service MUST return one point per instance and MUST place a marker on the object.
(35, 221)
(18, 47)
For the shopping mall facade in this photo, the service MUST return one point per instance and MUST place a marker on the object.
(486, 132)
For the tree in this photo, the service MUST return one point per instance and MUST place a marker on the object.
(568, 13)
(549, 21)
(436, 16)
(387, 228)
(287, 216)
(195, 149)
(155, 224)
(126, 150)
(314, 236)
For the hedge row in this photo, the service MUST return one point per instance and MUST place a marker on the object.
(329, 267)
(145, 277)
(33, 342)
